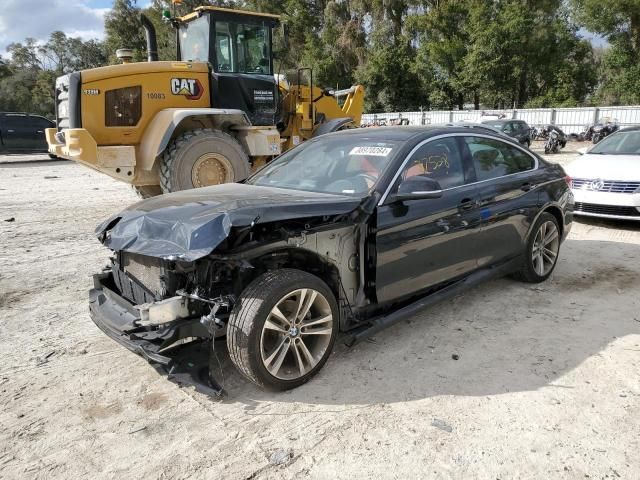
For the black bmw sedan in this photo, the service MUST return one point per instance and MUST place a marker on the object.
(349, 232)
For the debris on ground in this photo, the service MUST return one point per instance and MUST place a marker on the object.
(44, 359)
(136, 430)
(442, 425)
(455, 356)
(280, 457)
(12, 219)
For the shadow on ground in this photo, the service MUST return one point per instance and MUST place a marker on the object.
(508, 337)
(609, 223)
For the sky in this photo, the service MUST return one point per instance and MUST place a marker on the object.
(78, 18)
(38, 18)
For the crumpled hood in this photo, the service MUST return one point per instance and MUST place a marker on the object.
(190, 224)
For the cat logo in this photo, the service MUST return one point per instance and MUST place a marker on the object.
(191, 88)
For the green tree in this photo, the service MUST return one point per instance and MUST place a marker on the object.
(123, 29)
(619, 22)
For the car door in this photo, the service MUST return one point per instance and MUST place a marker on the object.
(13, 133)
(24, 133)
(40, 124)
(508, 194)
(424, 242)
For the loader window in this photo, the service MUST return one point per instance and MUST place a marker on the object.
(243, 48)
(194, 40)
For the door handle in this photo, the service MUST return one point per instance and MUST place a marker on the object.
(525, 187)
(10, 131)
(39, 131)
(467, 203)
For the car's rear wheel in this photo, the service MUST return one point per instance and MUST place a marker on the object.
(541, 253)
(282, 328)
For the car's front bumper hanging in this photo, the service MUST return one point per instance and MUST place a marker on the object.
(119, 320)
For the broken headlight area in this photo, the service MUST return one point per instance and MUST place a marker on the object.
(155, 308)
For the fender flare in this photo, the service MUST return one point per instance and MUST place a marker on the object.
(331, 126)
(168, 122)
(545, 208)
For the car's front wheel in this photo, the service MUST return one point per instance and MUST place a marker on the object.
(282, 328)
(541, 253)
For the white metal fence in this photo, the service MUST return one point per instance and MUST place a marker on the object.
(570, 120)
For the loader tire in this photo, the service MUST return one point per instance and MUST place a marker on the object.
(148, 191)
(200, 158)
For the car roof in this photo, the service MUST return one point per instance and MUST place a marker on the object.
(407, 132)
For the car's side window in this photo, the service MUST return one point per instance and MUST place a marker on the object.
(508, 128)
(438, 159)
(493, 158)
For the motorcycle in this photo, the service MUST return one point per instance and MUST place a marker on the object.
(556, 139)
(604, 130)
(586, 134)
(552, 145)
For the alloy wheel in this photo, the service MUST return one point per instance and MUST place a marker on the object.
(296, 334)
(545, 248)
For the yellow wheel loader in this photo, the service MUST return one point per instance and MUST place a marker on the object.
(210, 117)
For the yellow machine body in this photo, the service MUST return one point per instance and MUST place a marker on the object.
(169, 98)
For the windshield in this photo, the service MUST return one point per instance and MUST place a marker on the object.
(243, 48)
(194, 40)
(621, 143)
(348, 165)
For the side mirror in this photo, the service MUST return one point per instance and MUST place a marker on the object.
(418, 187)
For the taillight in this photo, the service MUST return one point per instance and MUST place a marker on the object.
(123, 107)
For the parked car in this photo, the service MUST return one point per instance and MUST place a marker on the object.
(517, 129)
(606, 179)
(475, 126)
(349, 232)
(22, 132)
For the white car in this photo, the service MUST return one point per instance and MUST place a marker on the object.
(605, 180)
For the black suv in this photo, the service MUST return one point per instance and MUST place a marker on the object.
(517, 129)
(21, 132)
(349, 232)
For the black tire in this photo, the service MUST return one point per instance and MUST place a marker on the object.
(596, 139)
(528, 143)
(52, 156)
(527, 272)
(181, 156)
(250, 313)
(147, 191)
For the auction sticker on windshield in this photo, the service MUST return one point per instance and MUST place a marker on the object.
(375, 151)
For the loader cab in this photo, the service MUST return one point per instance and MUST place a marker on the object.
(238, 46)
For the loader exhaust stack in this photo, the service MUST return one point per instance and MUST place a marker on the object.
(152, 43)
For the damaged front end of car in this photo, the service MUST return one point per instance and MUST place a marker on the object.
(178, 268)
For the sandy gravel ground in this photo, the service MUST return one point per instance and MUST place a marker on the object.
(547, 383)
